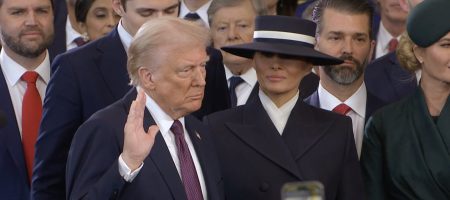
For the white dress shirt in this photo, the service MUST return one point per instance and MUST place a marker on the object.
(278, 115)
(244, 89)
(71, 35)
(124, 36)
(164, 123)
(202, 12)
(357, 102)
(17, 87)
(383, 39)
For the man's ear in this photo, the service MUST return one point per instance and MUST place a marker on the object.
(146, 78)
(118, 7)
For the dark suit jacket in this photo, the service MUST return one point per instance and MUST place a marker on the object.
(387, 80)
(92, 169)
(85, 80)
(372, 103)
(14, 182)
(59, 41)
(217, 94)
(256, 161)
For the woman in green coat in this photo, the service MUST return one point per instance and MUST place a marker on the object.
(406, 149)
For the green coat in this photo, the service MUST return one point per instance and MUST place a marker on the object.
(405, 154)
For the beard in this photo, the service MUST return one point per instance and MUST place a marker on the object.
(345, 75)
(27, 48)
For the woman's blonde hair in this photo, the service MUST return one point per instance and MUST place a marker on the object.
(405, 54)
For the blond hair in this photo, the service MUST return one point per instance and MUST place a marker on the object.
(154, 35)
(405, 54)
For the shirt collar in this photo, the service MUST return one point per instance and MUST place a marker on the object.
(162, 119)
(249, 76)
(71, 34)
(202, 12)
(125, 37)
(13, 71)
(384, 37)
(357, 101)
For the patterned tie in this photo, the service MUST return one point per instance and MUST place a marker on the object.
(192, 17)
(79, 41)
(31, 117)
(234, 82)
(392, 46)
(187, 167)
(342, 109)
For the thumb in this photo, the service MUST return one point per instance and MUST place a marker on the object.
(152, 131)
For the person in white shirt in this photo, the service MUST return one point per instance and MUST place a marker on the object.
(344, 32)
(146, 145)
(195, 10)
(26, 31)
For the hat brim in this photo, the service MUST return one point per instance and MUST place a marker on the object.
(315, 57)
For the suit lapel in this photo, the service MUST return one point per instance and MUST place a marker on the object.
(160, 155)
(303, 130)
(254, 94)
(113, 64)
(313, 100)
(373, 103)
(402, 80)
(10, 134)
(258, 131)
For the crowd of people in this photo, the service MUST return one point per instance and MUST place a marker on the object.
(224, 99)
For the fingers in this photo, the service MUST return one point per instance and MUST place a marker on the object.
(153, 130)
(140, 107)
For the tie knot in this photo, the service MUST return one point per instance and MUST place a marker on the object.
(342, 109)
(392, 46)
(79, 41)
(235, 81)
(192, 16)
(177, 128)
(30, 77)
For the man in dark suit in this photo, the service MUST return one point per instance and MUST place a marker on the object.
(278, 138)
(26, 33)
(85, 80)
(118, 153)
(344, 32)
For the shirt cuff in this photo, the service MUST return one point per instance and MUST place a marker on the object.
(126, 172)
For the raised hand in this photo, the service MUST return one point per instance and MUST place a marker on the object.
(137, 142)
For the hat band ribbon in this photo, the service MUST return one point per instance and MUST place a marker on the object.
(284, 36)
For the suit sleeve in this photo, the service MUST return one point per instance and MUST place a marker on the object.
(372, 161)
(92, 165)
(351, 186)
(61, 118)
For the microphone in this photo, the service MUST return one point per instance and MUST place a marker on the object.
(2, 119)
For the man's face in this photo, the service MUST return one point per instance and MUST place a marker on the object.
(179, 78)
(391, 10)
(231, 26)
(26, 26)
(137, 12)
(345, 36)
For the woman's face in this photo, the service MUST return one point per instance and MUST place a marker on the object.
(100, 19)
(435, 60)
(280, 75)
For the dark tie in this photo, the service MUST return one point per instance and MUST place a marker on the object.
(392, 46)
(79, 41)
(192, 17)
(187, 167)
(234, 82)
(342, 109)
(31, 117)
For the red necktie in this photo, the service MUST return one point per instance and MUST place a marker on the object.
(187, 167)
(31, 117)
(79, 41)
(392, 46)
(342, 109)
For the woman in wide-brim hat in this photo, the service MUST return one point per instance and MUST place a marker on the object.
(277, 138)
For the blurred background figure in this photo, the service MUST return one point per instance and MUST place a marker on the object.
(406, 147)
(96, 18)
(195, 10)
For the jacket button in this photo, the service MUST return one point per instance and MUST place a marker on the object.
(264, 187)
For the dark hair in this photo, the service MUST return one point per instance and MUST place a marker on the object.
(348, 6)
(82, 8)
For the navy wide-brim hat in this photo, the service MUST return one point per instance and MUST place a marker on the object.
(284, 35)
(428, 22)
